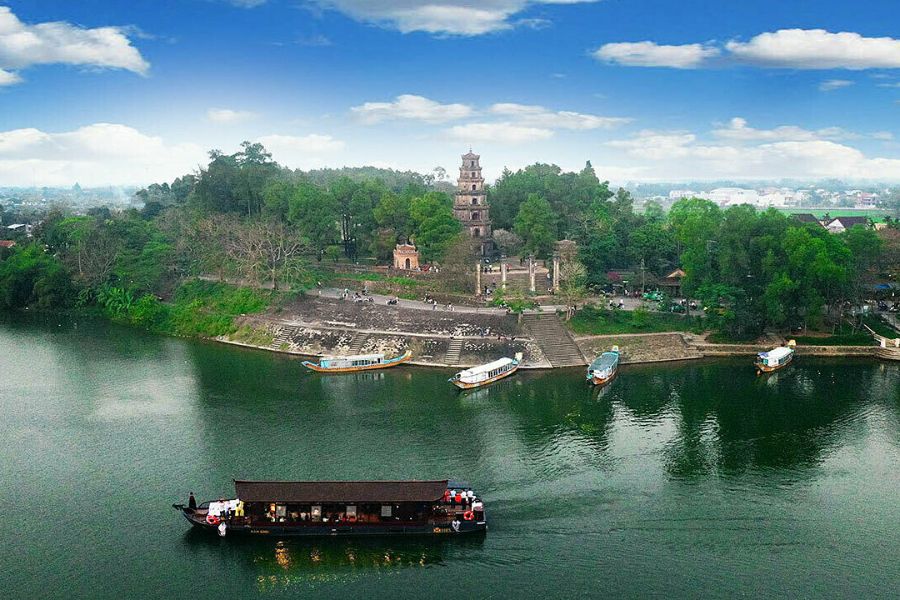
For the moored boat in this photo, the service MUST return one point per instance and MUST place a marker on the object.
(774, 359)
(318, 508)
(487, 373)
(604, 367)
(356, 362)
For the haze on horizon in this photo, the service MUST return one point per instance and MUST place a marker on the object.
(131, 93)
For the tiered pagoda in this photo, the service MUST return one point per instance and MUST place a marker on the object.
(470, 205)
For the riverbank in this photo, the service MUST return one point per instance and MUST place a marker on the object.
(314, 326)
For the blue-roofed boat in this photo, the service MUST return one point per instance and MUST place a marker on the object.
(774, 359)
(604, 367)
(357, 362)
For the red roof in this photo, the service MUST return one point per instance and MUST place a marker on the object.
(7, 243)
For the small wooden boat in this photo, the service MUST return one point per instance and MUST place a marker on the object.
(604, 367)
(318, 508)
(487, 373)
(774, 359)
(357, 362)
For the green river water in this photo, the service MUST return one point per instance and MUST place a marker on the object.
(686, 480)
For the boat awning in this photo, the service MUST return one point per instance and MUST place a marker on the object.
(605, 360)
(355, 357)
(340, 491)
(487, 368)
(776, 354)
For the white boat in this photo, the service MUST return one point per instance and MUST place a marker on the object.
(604, 367)
(776, 358)
(358, 362)
(487, 373)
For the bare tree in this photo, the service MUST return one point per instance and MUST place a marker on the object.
(264, 250)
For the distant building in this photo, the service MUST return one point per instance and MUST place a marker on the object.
(470, 205)
(732, 196)
(671, 283)
(406, 257)
(679, 194)
(841, 224)
(807, 218)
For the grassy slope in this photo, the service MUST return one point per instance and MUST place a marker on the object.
(594, 321)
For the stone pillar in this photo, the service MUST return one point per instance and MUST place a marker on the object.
(503, 276)
(478, 280)
(531, 273)
(556, 272)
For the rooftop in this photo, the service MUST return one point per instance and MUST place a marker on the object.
(340, 491)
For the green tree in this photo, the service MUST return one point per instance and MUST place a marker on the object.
(535, 224)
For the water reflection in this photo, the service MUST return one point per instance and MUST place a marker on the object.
(276, 564)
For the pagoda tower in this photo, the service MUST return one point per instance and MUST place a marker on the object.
(470, 205)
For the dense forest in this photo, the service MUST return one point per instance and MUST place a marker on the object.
(245, 217)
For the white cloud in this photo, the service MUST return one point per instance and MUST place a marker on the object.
(453, 17)
(651, 54)
(227, 115)
(884, 136)
(498, 132)
(410, 107)
(301, 152)
(538, 116)
(830, 85)
(99, 154)
(817, 49)
(679, 155)
(23, 46)
(737, 130)
(9, 78)
(784, 49)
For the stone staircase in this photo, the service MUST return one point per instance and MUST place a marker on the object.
(357, 342)
(282, 336)
(453, 352)
(554, 340)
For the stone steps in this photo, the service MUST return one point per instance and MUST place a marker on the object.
(453, 352)
(554, 340)
(357, 342)
(282, 336)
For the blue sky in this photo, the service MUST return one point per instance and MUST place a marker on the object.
(106, 92)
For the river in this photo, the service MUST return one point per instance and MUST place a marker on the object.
(682, 480)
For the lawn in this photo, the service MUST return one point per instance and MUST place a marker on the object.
(597, 321)
(876, 215)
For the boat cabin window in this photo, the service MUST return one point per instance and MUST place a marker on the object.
(386, 510)
(316, 513)
(351, 512)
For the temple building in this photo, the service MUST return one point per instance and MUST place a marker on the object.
(470, 205)
(406, 257)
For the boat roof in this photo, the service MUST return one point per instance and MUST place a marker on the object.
(776, 353)
(604, 360)
(500, 362)
(355, 357)
(340, 491)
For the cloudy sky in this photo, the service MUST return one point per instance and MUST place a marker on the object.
(103, 92)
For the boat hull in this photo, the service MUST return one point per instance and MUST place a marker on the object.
(343, 530)
(406, 357)
(597, 380)
(469, 386)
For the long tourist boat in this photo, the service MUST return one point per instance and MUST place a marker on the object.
(357, 362)
(487, 373)
(331, 508)
(604, 367)
(775, 359)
